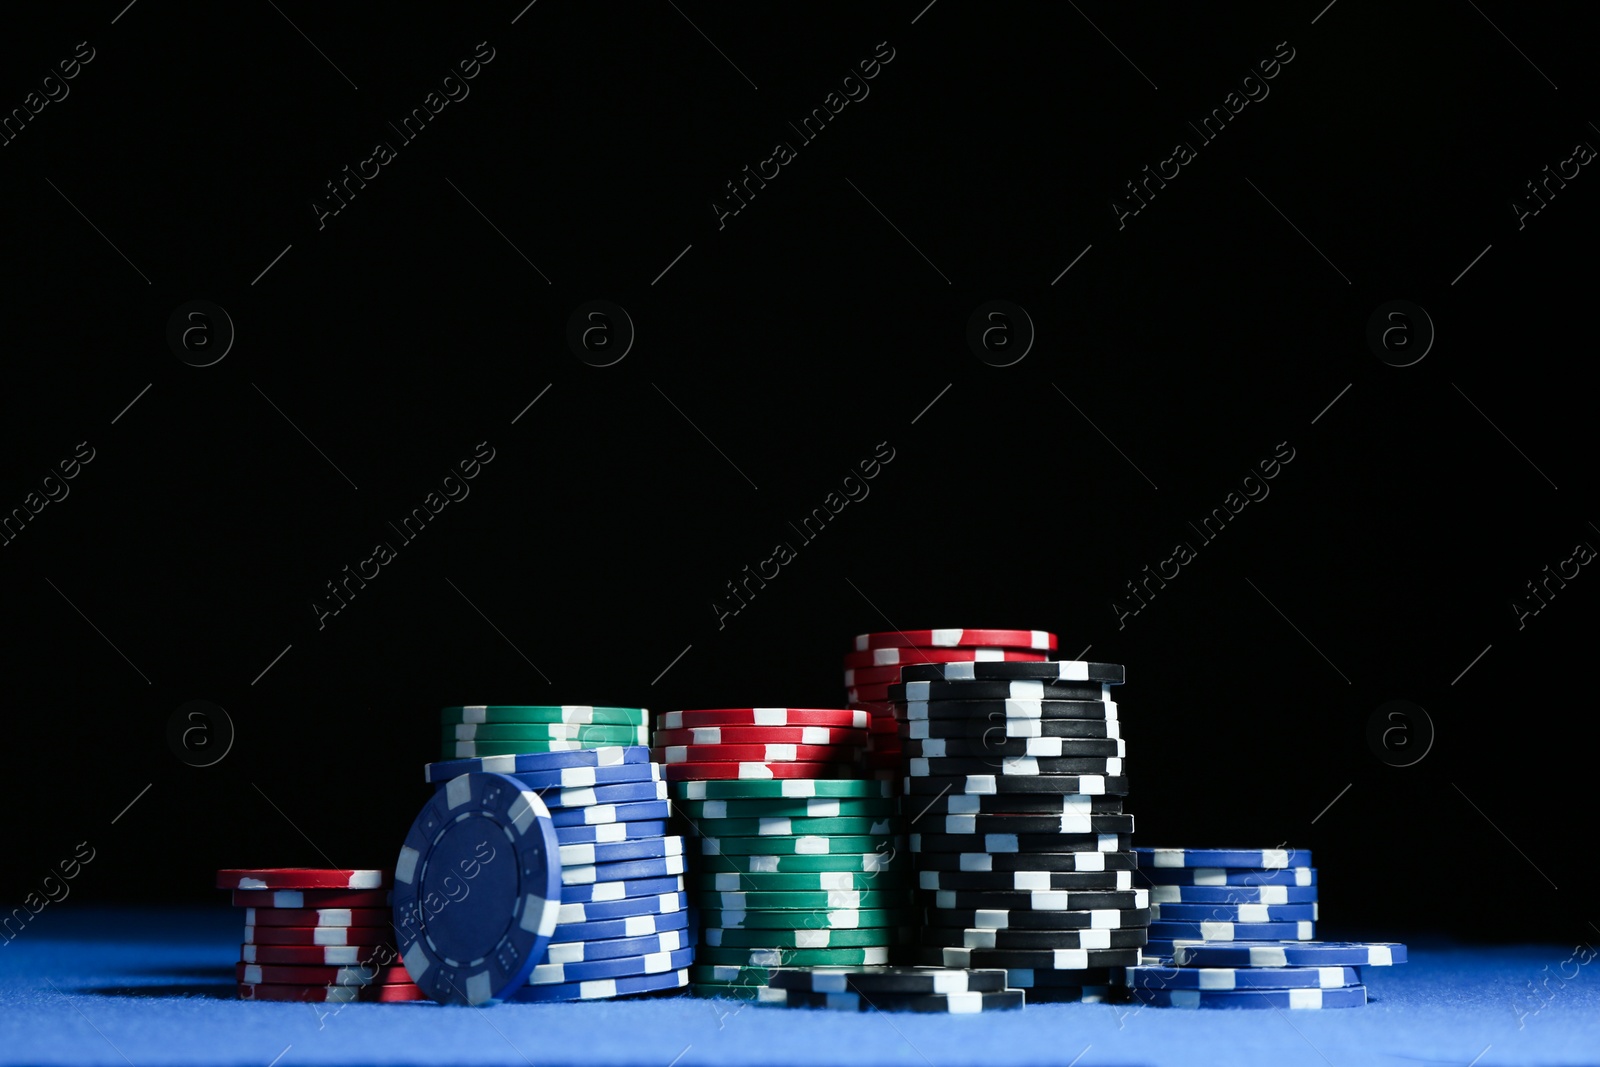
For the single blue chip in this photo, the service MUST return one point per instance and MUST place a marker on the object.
(1226, 978)
(604, 813)
(1258, 999)
(477, 889)
(1288, 954)
(617, 851)
(1259, 858)
(1223, 876)
(610, 831)
(601, 988)
(595, 911)
(626, 871)
(558, 800)
(613, 948)
(1236, 913)
(1230, 931)
(1232, 894)
(622, 967)
(606, 929)
(619, 888)
(540, 762)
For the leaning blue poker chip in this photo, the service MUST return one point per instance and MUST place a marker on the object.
(1228, 978)
(622, 967)
(603, 833)
(601, 988)
(1260, 858)
(484, 839)
(539, 762)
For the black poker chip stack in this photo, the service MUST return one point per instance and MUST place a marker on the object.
(1022, 850)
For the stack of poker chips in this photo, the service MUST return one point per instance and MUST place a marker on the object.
(918, 989)
(1233, 928)
(317, 935)
(874, 664)
(621, 926)
(1014, 780)
(516, 729)
(797, 863)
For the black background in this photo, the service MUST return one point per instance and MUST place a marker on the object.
(797, 338)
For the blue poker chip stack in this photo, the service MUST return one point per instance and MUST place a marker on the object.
(1235, 928)
(622, 926)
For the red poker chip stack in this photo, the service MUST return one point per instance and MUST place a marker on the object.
(760, 743)
(316, 935)
(874, 663)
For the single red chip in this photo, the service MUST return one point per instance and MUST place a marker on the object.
(356, 974)
(318, 935)
(318, 916)
(761, 735)
(396, 991)
(777, 753)
(894, 657)
(1019, 639)
(311, 898)
(689, 772)
(301, 878)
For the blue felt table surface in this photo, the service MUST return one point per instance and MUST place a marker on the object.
(147, 987)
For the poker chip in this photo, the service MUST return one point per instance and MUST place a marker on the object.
(904, 981)
(870, 676)
(1059, 670)
(1013, 804)
(866, 862)
(601, 910)
(478, 954)
(826, 900)
(568, 935)
(1238, 913)
(317, 994)
(946, 1003)
(559, 974)
(535, 763)
(564, 779)
(897, 657)
(993, 784)
(381, 917)
(625, 871)
(1290, 954)
(784, 826)
(601, 988)
(1027, 824)
(557, 800)
(1061, 959)
(1025, 919)
(999, 728)
(1232, 894)
(1024, 880)
(819, 881)
(778, 845)
(382, 955)
(1230, 931)
(813, 918)
(841, 718)
(1019, 690)
(458, 750)
(1008, 766)
(791, 808)
(792, 957)
(544, 713)
(1039, 940)
(760, 736)
(1261, 999)
(1072, 994)
(1003, 711)
(1010, 747)
(1034, 639)
(1043, 900)
(587, 733)
(742, 937)
(676, 772)
(1257, 858)
(1030, 843)
(318, 935)
(312, 898)
(1231, 978)
(625, 889)
(611, 832)
(302, 878)
(589, 855)
(279, 974)
(600, 814)
(1217, 876)
(791, 789)
(1015, 862)
(1041, 979)
(773, 753)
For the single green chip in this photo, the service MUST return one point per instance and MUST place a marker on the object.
(807, 939)
(545, 713)
(793, 957)
(780, 845)
(815, 881)
(754, 788)
(890, 858)
(837, 899)
(548, 731)
(786, 827)
(807, 918)
(792, 808)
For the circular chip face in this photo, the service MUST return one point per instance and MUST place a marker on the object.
(774, 845)
(1026, 639)
(546, 713)
(1033, 940)
(1259, 858)
(761, 735)
(539, 763)
(1219, 876)
(602, 988)
(1222, 979)
(1226, 931)
(1025, 919)
(997, 784)
(945, 1003)
(311, 898)
(301, 878)
(1002, 712)
(1023, 843)
(1061, 959)
(1063, 670)
(678, 772)
(487, 831)
(806, 938)
(924, 981)
(995, 748)
(307, 994)
(1020, 881)
(1020, 690)
(838, 717)
(1012, 862)
(791, 789)
(1259, 999)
